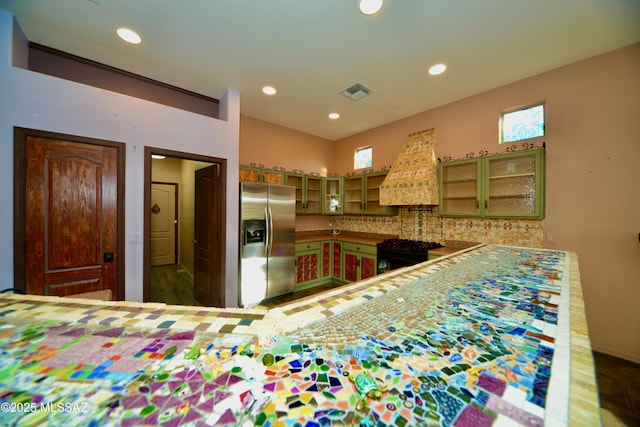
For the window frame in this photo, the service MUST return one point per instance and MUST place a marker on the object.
(501, 139)
(360, 150)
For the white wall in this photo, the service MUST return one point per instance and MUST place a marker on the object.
(37, 101)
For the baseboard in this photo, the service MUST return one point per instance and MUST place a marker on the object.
(185, 269)
(629, 357)
(312, 284)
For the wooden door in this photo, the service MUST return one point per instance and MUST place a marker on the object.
(70, 217)
(208, 283)
(163, 224)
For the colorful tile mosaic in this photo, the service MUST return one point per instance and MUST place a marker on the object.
(470, 340)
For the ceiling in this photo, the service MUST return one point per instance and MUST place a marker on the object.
(310, 51)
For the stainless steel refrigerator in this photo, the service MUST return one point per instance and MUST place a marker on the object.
(267, 241)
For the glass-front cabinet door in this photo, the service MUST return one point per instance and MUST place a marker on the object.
(372, 205)
(333, 190)
(460, 188)
(297, 181)
(514, 185)
(353, 195)
(308, 192)
(313, 191)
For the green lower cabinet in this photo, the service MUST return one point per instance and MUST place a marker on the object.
(359, 261)
(330, 261)
(313, 264)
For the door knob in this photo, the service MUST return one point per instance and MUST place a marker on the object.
(195, 241)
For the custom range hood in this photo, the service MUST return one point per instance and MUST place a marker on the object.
(413, 177)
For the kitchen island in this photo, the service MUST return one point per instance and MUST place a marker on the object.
(492, 335)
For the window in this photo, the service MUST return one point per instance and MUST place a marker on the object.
(363, 158)
(522, 124)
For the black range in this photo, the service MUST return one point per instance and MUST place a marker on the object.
(397, 253)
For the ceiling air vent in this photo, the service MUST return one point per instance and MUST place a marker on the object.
(356, 91)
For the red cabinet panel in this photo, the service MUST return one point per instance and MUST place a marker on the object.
(368, 268)
(306, 268)
(326, 259)
(337, 261)
(350, 267)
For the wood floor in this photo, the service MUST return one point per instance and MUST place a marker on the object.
(619, 387)
(171, 284)
(618, 379)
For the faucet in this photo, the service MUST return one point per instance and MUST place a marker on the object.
(333, 231)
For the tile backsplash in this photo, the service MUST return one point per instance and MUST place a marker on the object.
(424, 223)
(367, 224)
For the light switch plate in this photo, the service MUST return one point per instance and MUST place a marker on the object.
(135, 238)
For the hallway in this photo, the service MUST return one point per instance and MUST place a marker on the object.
(171, 284)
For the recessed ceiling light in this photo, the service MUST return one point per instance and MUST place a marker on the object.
(269, 90)
(370, 7)
(334, 116)
(437, 69)
(128, 35)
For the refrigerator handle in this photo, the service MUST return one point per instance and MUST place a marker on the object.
(267, 227)
(270, 236)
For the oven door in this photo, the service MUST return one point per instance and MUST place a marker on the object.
(389, 261)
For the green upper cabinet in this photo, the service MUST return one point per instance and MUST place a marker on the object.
(505, 185)
(353, 202)
(514, 184)
(333, 196)
(267, 176)
(371, 190)
(308, 192)
(460, 188)
(362, 195)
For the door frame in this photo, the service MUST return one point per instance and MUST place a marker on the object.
(20, 136)
(222, 224)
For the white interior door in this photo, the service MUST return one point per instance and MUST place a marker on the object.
(163, 224)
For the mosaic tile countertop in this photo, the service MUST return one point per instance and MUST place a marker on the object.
(493, 336)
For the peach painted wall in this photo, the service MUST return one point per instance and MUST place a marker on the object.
(276, 146)
(593, 183)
